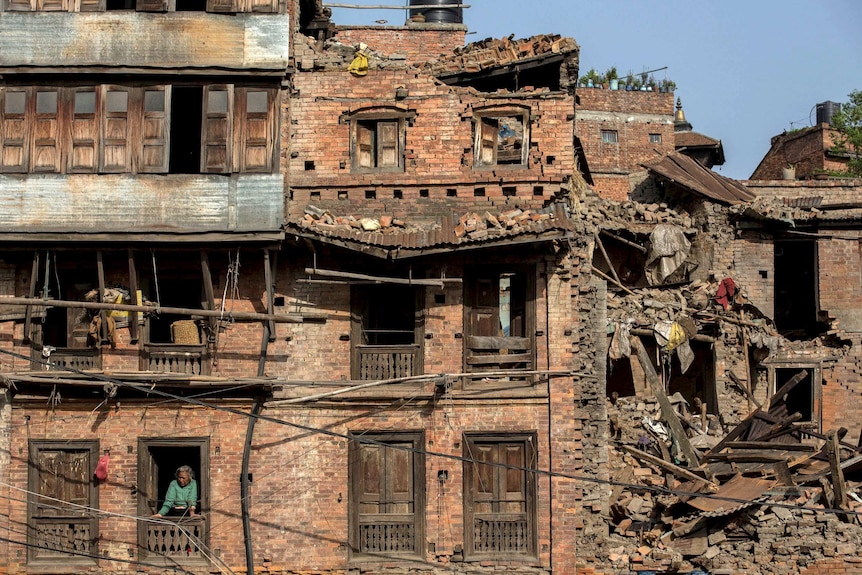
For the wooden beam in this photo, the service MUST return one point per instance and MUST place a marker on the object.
(667, 410)
(270, 293)
(209, 292)
(625, 241)
(735, 379)
(607, 259)
(381, 279)
(103, 314)
(237, 316)
(34, 279)
(603, 275)
(667, 465)
(133, 288)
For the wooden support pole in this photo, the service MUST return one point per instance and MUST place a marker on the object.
(667, 409)
(103, 314)
(625, 241)
(603, 275)
(438, 282)
(34, 279)
(839, 488)
(270, 294)
(667, 465)
(209, 292)
(607, 259)
(133, 288)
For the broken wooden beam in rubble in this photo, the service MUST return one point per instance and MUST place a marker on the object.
(667, 465)
(667, 410)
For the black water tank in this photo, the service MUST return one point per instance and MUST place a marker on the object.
(435, 14)
(825, 111)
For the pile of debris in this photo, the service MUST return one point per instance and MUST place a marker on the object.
(770, 496)
(325, 220)
(474, 226)
(491, 53)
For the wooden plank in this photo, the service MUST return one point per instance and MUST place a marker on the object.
(667, 465)
(34, 279)
(475, 342)
(270, 294)
(103, 313)
(669, 414)
(744, 388)
(498, 359)
(209, 292)
(839, 488)
(133, 287)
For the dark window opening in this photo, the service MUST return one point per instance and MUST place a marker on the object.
(120, 5)
(191, 5)
(800, 399)
(500, 140)
(174, 292)
(796, 289)
(186, 114)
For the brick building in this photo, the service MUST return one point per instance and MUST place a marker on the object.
(357, 280)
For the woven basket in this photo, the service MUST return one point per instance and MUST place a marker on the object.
(185, 332)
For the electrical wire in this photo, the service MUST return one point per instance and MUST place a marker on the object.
(460, 459)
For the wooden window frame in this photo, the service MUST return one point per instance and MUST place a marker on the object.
(486, 146)
(478, 347)
(136, 141)
(815, 373)
(610, 136)
(375, 120)
(502, 472)
(358, 306)
(416, 439)
(36, 446)
(655, 138)
(148, 489)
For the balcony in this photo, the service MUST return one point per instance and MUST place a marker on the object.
(378, 362)
(74, 359)
(176, 358)
(176, 539)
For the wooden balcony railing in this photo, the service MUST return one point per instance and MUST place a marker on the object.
(80, 359)
(376, 362)
(176, 538)
(174, 358)
(501, 534)
(56, 537)
(396, 535)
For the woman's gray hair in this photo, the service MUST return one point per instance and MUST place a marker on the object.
(185, 468)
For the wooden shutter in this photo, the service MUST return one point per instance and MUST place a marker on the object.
(399, 479)
(116, 129)
(51, 6)
(484, 484)
(223, 6)
(14, 130)
(84, 150)
(155, 129)
(254, 117)
(371, 476)
(387, 144)
(64, 475)
(93, 5)
(216, 142)
(152, 5)
(262, 6)
(365, 132)
(513, 491)
(487, 141)
(20, 5)
(45, 142)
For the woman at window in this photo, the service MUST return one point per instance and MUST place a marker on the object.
(182, 495)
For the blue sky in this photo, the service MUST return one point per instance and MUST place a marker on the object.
(745, 71)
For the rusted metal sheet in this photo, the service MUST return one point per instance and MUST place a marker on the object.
(686, 172)
(132, 39)
(141, 203)
(735, 493)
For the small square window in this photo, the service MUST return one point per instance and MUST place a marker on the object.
(655, 138)
(610, 137)
(378, 144)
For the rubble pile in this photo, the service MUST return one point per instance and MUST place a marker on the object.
(474, 226)
(731, 512)
(324, 219)
(491, 52)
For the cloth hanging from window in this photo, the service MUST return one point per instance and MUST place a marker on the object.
(95, 331)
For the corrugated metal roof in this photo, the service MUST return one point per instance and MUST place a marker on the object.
(738, 490)
(686, 172)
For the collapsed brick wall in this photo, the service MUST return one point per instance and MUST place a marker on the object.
(418, 43)
(805, 150)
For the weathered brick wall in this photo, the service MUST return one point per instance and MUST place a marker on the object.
(624, 102)
(805, 150)
(438, 176)
(117, 428)
(418, 43)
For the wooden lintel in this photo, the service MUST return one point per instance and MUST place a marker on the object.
(625, 241)
(437, 282)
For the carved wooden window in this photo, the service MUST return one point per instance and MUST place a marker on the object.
(62, 527)
(158, 460)
(499, 322)
(14, 130)
(387, 331)
(502, 137)
(123, 129)
(500, 496)
(378, 138)
(387, 498)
